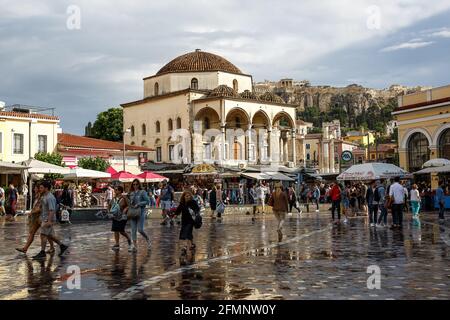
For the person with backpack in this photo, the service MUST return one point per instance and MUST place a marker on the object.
(188, 208)
(316, 196)
(165, 200)
(380, 198)
(118, 208)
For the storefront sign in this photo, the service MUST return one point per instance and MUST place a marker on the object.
(203, 168)
(347, 156)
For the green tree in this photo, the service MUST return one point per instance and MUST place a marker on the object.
(53, 158)
(96, 163)
(109, 125)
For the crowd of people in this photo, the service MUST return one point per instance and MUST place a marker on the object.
(374, 199)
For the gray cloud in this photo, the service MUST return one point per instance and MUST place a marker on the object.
(82, 72)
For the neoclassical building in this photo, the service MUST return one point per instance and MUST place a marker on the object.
(224, 120)
(423, 120)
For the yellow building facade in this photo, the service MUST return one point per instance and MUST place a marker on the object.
(362, 138)
(423, 120)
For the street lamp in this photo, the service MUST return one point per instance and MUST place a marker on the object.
(128, 130)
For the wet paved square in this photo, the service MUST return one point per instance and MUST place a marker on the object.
(237, 259)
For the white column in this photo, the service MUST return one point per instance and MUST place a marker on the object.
(222, 128)
(294, 151)
(249, 142)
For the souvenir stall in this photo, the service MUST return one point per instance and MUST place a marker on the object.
(202, 176)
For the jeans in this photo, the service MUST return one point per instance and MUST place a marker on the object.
(336, 205)
(441, 210)
(316, 201)
(415, 206)
(373, 212)
(383, 214)
(138, 225)
(397, 214)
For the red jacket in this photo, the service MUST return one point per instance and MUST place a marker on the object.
(335, 193)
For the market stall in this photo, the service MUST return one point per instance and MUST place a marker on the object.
(443, 174)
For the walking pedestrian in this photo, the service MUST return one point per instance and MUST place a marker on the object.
(187, 222)
(279, 202)
(261, 192)
(293, 200)
(345, 194)
(48, 219)
(213, 201)
(166, 199)
(118, 208)
(11, 203)
(380, 197)
(138, 200)
(109, 196)
(335, 196)
(372, 206)
(441, 201)
(2, 201)
(397, 193)
(316, 196)
(414, 197)
(34, 222)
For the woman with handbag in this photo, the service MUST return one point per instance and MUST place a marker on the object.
(279, 202)
(118, 209)
(186, 207)
(138, 200)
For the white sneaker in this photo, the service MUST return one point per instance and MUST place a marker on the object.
(132, 248)
(149, 244)
(378, 225)
(317, 210)
(345, 220)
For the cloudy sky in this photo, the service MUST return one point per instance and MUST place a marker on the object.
(49, 57)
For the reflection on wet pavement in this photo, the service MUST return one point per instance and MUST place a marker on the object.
(236, 259)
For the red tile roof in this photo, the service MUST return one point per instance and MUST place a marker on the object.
(28, 115)
(73, 141)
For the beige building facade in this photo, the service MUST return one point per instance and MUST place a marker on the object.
(200, 108)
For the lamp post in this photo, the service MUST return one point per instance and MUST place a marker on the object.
(123, 154)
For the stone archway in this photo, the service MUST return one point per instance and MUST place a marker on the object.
(285, 128)
(262, 128)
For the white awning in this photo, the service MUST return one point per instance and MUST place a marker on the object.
(266, 176)
(11, 168)
(434, 170)
(80, 173)
(36, 166)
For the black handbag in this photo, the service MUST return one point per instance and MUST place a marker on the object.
(198, 220)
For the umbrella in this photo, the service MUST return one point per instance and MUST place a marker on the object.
(79, 173)
(124, 176)
(372, 171)
(149, 176)
(111, 170)
(439, 162)
(434, 170)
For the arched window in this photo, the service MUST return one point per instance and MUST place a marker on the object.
(158, 127)
(206, 124)
(132, 131)
(132, 143)
(170, 124)
(235, 85)
(444, 145)
(194, 83)
(178, 123)
(156, 92)
(144, 143)
(418, 152)
(144, 129)
(238, 122)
